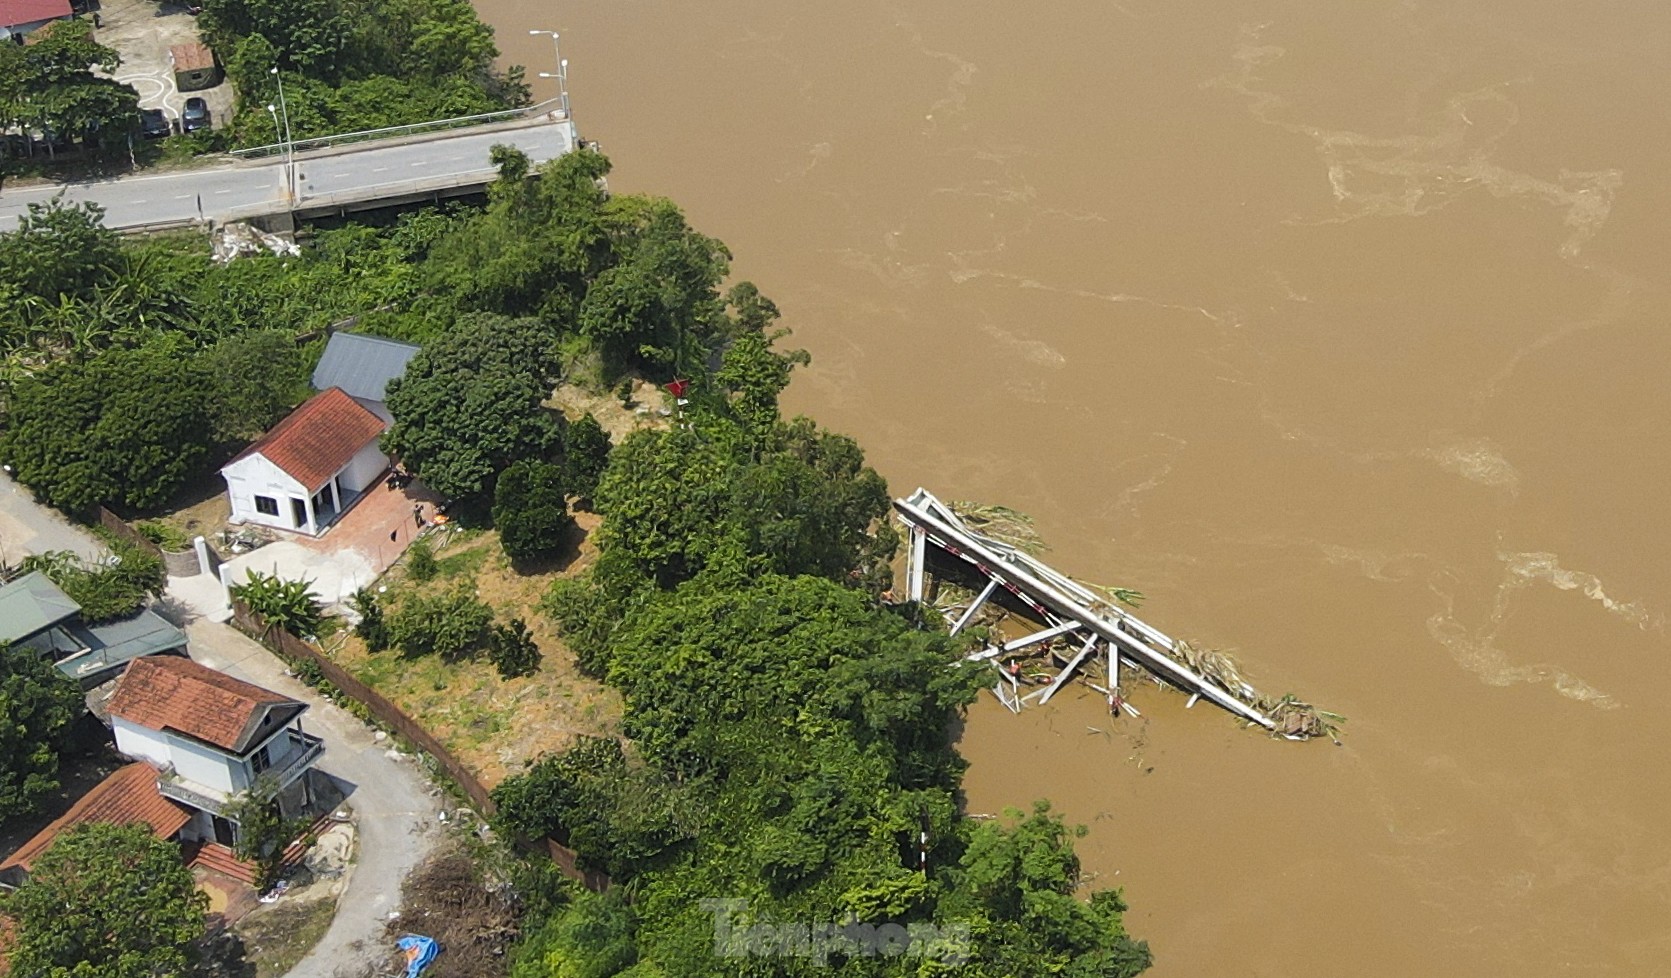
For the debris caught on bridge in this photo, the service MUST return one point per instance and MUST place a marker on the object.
(1077, 625)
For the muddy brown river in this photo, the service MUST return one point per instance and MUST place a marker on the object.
(1340, 330)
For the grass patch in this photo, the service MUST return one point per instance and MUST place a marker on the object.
(466, 705)
(278, 936)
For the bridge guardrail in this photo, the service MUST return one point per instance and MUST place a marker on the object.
(411, 129)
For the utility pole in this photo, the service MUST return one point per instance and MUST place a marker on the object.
(289, 143)
(562, 75)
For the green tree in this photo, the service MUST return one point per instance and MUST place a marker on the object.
(106, 901)
(49, 84)
(539, 245)
(453, 625)
(256, 377)
(127, 428)
(38, 705)
(472, 402)
(112, 587)
(586, 453)
(290, 605)
(530, 510)
(263, 831)
(512, 651)
(658, 306)
(59, 249)
(372, 628)
(1015, 887)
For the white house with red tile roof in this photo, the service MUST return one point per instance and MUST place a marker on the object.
(310, 467)
(19, 17)
(211, 737)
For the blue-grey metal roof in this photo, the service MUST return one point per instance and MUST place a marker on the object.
(31, 604)
(116, 643)
(361, 364)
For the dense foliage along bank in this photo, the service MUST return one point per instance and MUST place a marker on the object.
(353, 65)
(787, 732)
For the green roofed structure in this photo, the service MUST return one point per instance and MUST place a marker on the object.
(35, 615)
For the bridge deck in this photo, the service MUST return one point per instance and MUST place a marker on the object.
(361, 174)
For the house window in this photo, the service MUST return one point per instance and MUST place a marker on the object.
(267, 505)
(261, 761)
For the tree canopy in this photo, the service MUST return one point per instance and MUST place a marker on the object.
(472, 402)
(49, 85)
(124, 429)
(106, 901)
(38, 705)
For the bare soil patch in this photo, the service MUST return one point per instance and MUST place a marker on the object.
(648, 401)
(473, 919)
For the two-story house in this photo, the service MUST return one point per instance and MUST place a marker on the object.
(211, 737)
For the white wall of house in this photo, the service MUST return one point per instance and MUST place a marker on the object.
(19, 30)
(141, 743)
(364, 468)
(253, 476)
(197, 763)
(207, 766)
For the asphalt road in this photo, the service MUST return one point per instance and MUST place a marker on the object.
(241, 190)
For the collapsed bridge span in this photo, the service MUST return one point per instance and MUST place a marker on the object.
(1091, 626)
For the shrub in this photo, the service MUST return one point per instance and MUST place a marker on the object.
(290, 605)
(420, 561)
(112, 588)
(512, 650)
(453, 625)
(585, 453)
(165, 535)
(530, 509)
(373, 628)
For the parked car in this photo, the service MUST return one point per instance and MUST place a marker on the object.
(196, 115)
(154, 124)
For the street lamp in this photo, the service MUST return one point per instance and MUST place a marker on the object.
(289, 143)
(562, 75)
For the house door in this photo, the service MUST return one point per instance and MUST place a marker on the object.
(223, 831)
(299, 512)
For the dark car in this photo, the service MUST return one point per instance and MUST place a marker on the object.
(154, 124)
(196, 115)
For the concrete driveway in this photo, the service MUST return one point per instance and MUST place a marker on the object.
(396, 805)
(27, 527)
(142, 31)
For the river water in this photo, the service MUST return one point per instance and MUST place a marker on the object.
(1340, 330)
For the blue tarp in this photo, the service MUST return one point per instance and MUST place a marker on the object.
(420, 951)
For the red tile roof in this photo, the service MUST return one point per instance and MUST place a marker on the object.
(14, 13)
(318, 438)
(192, 56)
(128, 796)
(166, 692)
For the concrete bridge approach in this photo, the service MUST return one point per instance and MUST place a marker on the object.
(327, 180)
